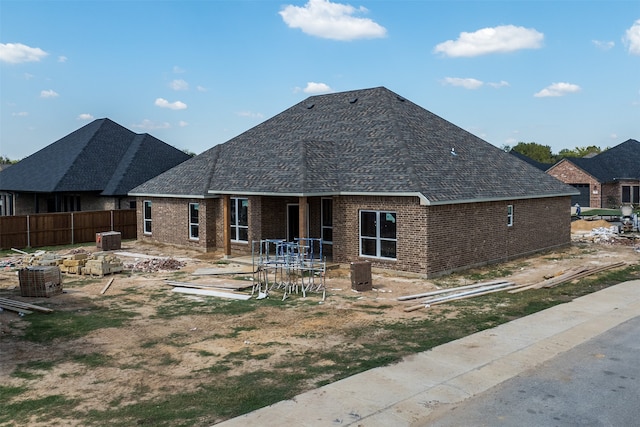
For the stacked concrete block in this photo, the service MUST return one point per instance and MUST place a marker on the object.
(73, 264)
(102, 264)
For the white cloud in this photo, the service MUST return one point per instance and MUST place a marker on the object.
(602, 45)
(499, 84)
(179, 84)
(85, 116)
(182, 123)
(324, 19)
(465, 83)
(501, 39)
(163, 103)
(250, 114)
(201, 89)
(20, 114)
(48, 94)
(470, 83)
(178, 70)
(315, 88)
(16, 53)
(558, 89)
(147, 124)
(28, 76)
(632, 38)
(62, 59)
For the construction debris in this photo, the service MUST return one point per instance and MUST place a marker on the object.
(106, 286)
(569, 276)
(483, 289)
(211, 293)
(152, 265)
(19, 306)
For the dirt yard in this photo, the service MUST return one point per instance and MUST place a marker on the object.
(166, 346)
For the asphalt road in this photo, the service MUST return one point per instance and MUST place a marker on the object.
(596, 383)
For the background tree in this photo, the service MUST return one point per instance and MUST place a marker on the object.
(535, 151)
(7, 161)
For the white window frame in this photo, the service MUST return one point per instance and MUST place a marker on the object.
(146, 220)
(323, 226)
(194, 224)
(378, 239)
(510, 215)
(235, 224)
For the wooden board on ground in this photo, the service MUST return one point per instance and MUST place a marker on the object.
(211, 293)
(219, 271)
(235, 285)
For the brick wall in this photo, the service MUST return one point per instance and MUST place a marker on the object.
(431, 240)
(411, 232)
(569, 173)
(462, 236)
(170, 222)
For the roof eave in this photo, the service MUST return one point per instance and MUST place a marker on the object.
(423, 200)
(502, 199)
(174, 196)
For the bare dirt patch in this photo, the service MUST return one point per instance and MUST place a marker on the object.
(176, 343)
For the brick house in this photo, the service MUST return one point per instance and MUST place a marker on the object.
(607, 180)
(374, 176)
(92, 168)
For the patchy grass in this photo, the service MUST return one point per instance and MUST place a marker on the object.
(238, 382)
(74, 324)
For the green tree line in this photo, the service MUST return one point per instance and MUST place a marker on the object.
(543, 153)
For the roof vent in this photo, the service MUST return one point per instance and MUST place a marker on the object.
(353, 100)
(401, 99)
(453, 151)
(310, 105)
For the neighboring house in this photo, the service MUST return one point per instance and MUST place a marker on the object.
(607, 180)
(92, 168)
(373, 175)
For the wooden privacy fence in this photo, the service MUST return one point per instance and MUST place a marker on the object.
(66, 228)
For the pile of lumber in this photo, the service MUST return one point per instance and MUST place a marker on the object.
(22, 308)
(227, 291)
(568, 276)
(442, 296)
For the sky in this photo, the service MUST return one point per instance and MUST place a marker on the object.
(196, 73)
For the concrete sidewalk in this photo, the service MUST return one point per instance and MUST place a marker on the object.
(406, 393)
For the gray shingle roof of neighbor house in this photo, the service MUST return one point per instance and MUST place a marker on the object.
(616, 163)
(369, 141)
(101, 156)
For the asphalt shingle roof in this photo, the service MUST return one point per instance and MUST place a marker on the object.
(369, 141)
(101, 156)
(619, 162)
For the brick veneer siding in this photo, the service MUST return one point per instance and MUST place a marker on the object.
(435, 240)
(170, 222)
(569, 173)
(411, 231)
(431, 240)
(468, 235)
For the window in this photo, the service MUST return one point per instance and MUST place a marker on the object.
(631, 194)
(194, 220)
(509, 215)
(239, 219)
(327, 220)
(378, 234)
(147, 216)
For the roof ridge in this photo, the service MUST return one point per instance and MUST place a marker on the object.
(84, 147)
(125, 162)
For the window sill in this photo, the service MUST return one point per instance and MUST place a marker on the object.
(378, 258)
